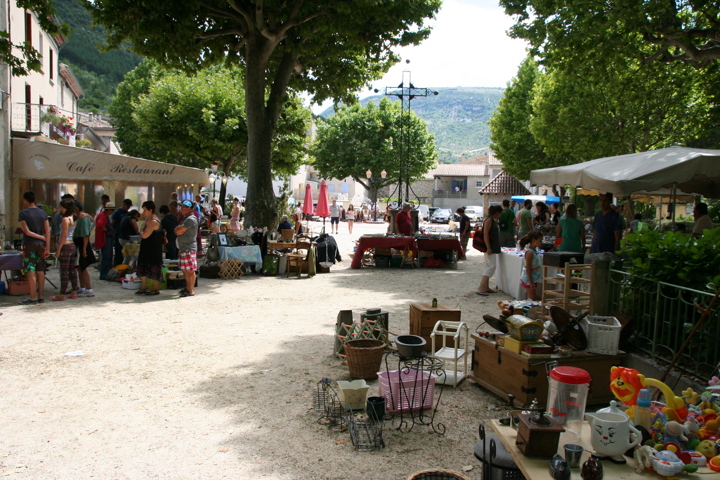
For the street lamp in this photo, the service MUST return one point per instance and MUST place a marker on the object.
(214, 175)
(375, 181)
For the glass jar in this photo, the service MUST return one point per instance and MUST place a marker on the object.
(567, 395)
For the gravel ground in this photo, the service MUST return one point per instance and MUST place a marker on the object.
(220, 385)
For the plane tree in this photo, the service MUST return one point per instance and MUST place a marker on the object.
(324, 47)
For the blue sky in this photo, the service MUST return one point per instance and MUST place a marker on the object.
(468, 47)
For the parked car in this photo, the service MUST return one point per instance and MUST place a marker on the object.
(431, 210)
(442, 215)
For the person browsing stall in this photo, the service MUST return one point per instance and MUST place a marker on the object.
(532, 267)
(85, 252)
(608, 227)
(571, 230)
(36, 247)
(491, 232)
(105, 238)
(187, 247)
(464, 228)
(403, 221)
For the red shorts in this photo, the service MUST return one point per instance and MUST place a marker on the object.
(526, 286)
(188, 261)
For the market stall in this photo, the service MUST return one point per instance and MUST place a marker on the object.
(509, 269)
(429, 244)
(367, 242)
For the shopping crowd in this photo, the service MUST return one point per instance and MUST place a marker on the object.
(171, 232)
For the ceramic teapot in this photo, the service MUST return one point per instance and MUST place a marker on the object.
(611, 435)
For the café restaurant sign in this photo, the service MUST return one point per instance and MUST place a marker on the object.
(51, 161)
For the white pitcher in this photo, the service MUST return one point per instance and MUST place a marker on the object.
(611, 435)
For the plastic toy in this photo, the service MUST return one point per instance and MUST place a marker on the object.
(643, 457)
(714, 464)
(625, 383)
(667, 464)
(706, 448)
(693, 458)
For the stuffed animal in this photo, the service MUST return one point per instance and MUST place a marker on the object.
(643, 457)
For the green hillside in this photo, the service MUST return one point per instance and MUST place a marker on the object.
(98, 72)
(457, 116)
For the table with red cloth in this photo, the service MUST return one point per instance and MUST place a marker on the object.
(441, 244)
(367, 243)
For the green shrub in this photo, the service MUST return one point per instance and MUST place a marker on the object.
(676, 258)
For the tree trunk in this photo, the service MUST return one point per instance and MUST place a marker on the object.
(260, 204)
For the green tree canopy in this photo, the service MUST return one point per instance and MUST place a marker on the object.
(631, 107)
(325, 47)
(512, 141)
(29, 59)
(375, 138)
(196, 120)
(576, 30)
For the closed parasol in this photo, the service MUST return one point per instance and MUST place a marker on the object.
(323, 207)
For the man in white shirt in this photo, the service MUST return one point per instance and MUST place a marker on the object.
(702, 219)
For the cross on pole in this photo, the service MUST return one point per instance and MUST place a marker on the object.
(406, 91)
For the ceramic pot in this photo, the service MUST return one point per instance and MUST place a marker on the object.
(611, 435)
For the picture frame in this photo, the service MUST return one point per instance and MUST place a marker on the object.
(223, 239)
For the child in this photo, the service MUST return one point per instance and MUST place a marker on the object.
(532, 263)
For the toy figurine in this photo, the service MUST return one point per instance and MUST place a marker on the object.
(643, 457)
(559, 468)
(592, 469)
(706, 448)
(626, 383)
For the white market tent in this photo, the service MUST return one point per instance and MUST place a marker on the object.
(688, 170)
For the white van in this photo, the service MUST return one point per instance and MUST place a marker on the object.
(423, 213)
(475, 212)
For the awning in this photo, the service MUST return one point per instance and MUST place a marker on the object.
(52, 161)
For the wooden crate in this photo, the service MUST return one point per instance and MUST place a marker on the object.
(502, 371)
(423, 318)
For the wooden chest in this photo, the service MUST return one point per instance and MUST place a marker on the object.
(502, 371)
(423, 318)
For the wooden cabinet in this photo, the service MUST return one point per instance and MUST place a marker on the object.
(502, 371)
(423, 318)
(568, 287)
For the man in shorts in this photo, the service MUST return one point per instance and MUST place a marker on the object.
(334, 216)
(187, 247)
(36, 247)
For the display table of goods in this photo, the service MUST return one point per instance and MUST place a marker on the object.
(248, 254)
(367, 242)
(508, 272)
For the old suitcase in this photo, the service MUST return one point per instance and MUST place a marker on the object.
(502, 371)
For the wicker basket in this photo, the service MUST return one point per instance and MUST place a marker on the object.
(603, 334)
(364, 357)
(437, 474)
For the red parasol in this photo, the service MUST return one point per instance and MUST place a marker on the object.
(323, 207)
(308, 203)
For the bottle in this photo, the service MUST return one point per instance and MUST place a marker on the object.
(642, 409)
(434, 303)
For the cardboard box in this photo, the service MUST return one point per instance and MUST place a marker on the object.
(20, 287)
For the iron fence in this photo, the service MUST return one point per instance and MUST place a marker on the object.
(663, 316)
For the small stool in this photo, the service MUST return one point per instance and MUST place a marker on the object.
(497, 462)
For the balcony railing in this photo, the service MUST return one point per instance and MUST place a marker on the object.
(31, 118)
(663, 315)
(450, 194)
